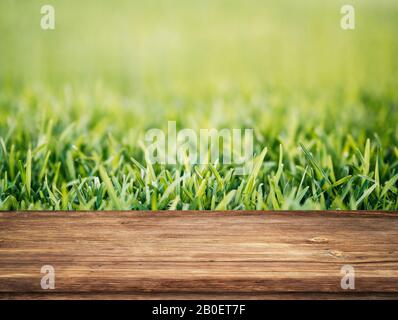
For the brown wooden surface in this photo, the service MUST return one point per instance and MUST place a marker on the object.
(176, 255)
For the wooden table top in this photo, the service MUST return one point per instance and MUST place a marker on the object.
(195, 255)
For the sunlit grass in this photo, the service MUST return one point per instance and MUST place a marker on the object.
(75, 104)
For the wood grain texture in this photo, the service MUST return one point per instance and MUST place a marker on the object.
(231, 255)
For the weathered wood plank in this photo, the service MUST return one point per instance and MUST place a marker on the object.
(194, 254)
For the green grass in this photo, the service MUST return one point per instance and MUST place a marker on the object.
(76, 102)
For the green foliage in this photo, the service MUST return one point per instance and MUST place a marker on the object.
(76, 102)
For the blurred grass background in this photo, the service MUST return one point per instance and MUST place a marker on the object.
(87, 91)
(172, 45)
